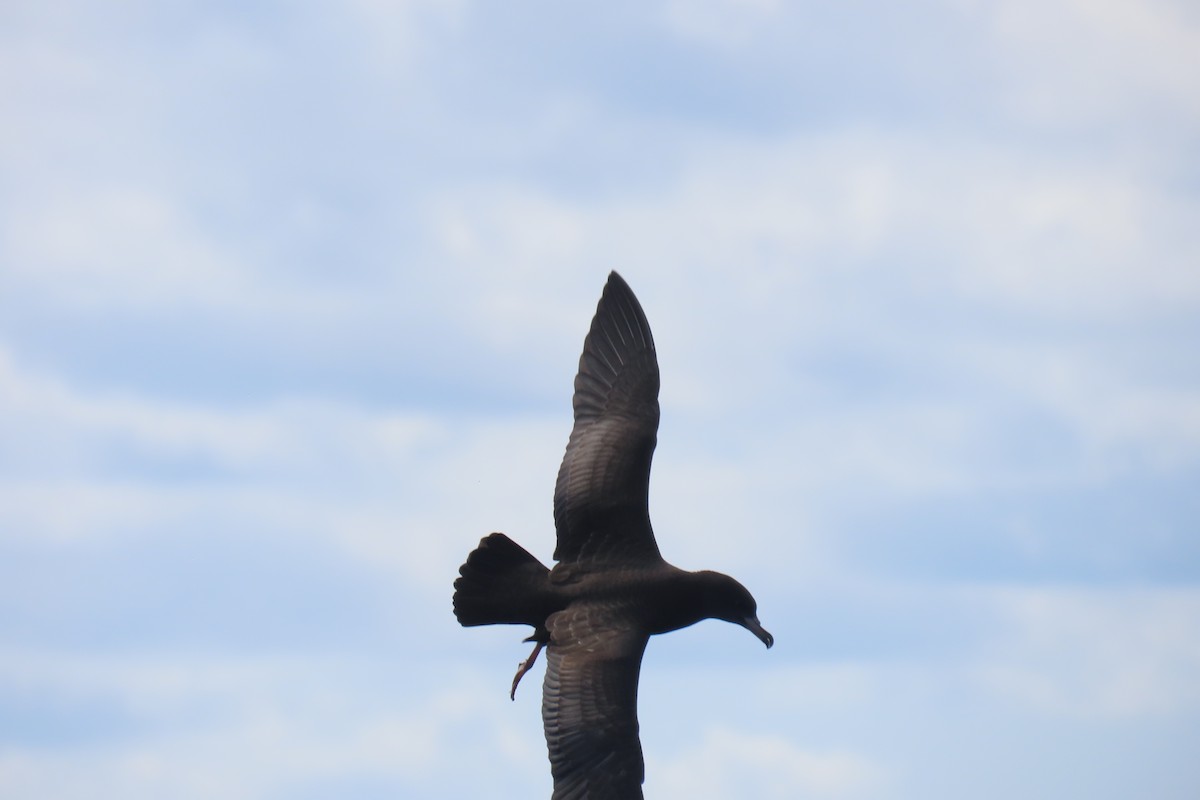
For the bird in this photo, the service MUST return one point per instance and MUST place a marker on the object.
(611, 589)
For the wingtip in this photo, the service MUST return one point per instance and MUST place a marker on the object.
(619, 302)
(615, 279)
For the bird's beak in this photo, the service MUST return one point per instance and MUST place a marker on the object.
(754, 626)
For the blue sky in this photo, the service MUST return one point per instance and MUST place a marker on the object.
(292, 295)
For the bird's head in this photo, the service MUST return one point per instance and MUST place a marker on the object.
(726, 599)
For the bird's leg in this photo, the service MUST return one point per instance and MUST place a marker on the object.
(524, 667)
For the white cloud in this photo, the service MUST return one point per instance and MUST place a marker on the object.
(393, 32)
(1124, 423)
(395, 497)
(124, 247)
(846, 312)
(728, 24)
(804, 220)
(736, 764)
(294, 436)
(240, 727)
(1071, 61)
(1098, 653)
(987, 238)
(119, 248)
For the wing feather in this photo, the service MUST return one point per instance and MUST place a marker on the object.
(589, 704)
(601, 496)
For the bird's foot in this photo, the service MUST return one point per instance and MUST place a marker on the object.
(524, 667)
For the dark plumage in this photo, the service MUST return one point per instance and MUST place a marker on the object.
(610, 590)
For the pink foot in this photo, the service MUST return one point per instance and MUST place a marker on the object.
(524, 667)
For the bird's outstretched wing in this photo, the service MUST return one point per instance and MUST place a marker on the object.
(600, 499)
(589, 704)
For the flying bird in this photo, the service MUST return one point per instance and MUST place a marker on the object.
(611, 590)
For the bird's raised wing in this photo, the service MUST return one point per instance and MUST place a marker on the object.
(589, 704)
(600, 499)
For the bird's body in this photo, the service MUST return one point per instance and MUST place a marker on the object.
(611, 589)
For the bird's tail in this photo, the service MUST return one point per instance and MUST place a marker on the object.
(501, 583)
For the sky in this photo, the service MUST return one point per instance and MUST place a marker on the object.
(291, 300)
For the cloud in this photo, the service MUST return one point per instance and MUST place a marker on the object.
(724, 23)
(1071, 61)
(1124, 419)
(730, 763)
(115, 248)
(394, 32)
(291, 303)
(92, 465)
(807, 218)
(1122, 653)
(245, 727)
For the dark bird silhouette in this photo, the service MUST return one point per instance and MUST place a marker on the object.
(610, 590)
